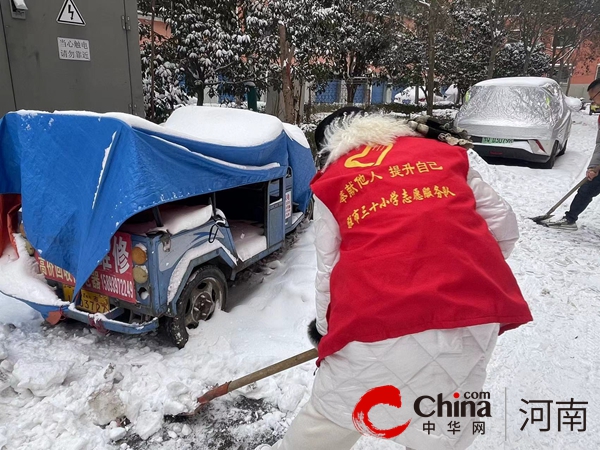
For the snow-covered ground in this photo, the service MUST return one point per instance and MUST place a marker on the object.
(66, 387)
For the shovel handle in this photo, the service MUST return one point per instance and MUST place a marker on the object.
(225, 388)
(273, 369)
(567, 195)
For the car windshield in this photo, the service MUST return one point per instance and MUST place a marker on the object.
(512, 106)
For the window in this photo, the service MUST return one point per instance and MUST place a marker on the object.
(563, 73)
(513, 36)
(565, 38)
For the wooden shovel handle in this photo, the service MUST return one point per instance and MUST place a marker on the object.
(273, 369)
(225, 388)
(567, 195)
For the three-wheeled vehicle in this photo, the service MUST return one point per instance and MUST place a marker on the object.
(133, 224)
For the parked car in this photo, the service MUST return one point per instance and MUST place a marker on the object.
(526, 118)
(451, 94)
(407, 96)
(163, 218)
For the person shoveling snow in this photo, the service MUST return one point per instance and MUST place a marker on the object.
(412, 286)
(589, 190)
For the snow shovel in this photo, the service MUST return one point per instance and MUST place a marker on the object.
(549, 214)
(251, 378)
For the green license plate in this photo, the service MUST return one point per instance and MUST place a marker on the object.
(486, 140)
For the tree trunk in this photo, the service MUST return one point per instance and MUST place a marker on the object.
(571, 71)
(492, 62)
(199, 93)
(527, 61)
(286, 75)
(350, 92)
(529, 46)
(308, 108)
(561, 68)
(152, 56)
(431, 55)
(298, 99)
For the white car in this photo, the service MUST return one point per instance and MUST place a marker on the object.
(527, 118)
(407, 96)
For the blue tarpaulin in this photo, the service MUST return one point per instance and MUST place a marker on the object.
(82, 176)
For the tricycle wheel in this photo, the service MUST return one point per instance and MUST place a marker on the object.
(310, 209)
(203, 294)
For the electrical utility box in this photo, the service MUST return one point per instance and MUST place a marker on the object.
(70, 55)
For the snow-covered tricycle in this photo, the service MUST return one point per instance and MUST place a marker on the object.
(133, 223)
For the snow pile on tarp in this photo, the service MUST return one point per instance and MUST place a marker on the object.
(16, 267)
(81, 175)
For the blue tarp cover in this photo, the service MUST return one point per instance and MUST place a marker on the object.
(82, 176)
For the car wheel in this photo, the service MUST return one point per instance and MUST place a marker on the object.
(204, 293)
(550, 163)
(563, 149)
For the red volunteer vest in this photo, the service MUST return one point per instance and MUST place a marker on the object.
(414, 253)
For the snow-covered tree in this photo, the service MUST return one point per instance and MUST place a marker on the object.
(360, 35)
(211, 44)
(497, 17)
(562, 25)
(463, 47)
(208, 41)
(534, 20)
(440, 41)
(160, 78)
(404, 62)
(512, 58)
(221, 45)
(294, 45)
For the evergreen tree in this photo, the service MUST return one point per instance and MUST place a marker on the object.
(463, 48)
(361, 37)
(162, 90)
(512, 58)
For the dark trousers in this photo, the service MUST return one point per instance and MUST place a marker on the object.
(584, 196)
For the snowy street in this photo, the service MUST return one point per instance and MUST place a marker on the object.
(67, 387)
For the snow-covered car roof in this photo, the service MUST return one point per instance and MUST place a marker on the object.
(518, 81)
